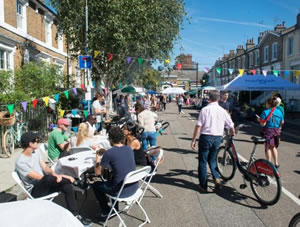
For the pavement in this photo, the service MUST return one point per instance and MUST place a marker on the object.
(182, 204)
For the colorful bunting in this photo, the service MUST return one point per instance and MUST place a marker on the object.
(253, 71)
(56, 96)
(85, 112)
(178, 66)
(140, 60)
(286, 73)
(102, 85)
(297, 73)
(265, 72)
(110, 56)
(66, 94)
(219, 70)
(61, 113)
(94, 84)
(96, 53)
(24, 105)
(128, 60)
(82, 87)
(230, 71)
(34, 102)
(206, 69)
(241, 72)
(74, 112)
(46, 100)
(276, 73)
(167, 61)
(10, 108)
(75, 129)
(75, 90)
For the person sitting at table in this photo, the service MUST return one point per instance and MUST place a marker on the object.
(91, 121)
(120, 159)
(58, 142)
(81, 139)
(132, 137)
(38, 178)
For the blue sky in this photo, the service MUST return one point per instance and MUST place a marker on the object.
(217, 26)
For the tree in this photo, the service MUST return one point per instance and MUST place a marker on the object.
(205, 80)
(129, 28)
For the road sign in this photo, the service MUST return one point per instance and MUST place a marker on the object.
(85, 61)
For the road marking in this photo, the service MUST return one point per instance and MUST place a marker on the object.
(288, 194)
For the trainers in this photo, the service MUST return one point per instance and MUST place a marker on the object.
(201, 190)
(218, 184)
(85, 221)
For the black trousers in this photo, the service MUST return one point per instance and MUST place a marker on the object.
(48, 185)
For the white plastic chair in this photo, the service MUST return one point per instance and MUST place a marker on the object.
(44, 149)
(74, 150)
(149, 177)
(20, 183)
(132, 177)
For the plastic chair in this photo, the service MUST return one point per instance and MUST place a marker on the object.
(149, 177)
(132, 177)
(74, 150)
(44, 149)
(20, 183)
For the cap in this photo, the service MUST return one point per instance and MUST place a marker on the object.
(28, 137)
(63, 121)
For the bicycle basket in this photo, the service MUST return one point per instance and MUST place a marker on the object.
(6, 119)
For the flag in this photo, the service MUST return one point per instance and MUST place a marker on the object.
(110, 56)
(61, 113)
(140, 60)
(128, 60)
(265, 72)
(96, 53)
(276, 72)
(75, 90)
(206, 69)
(10, 108)
(34, 102)
(178, 66)
(102, 85)
(82, 87)
(241, 71)
(85, 112)
(74, 112)
(66, 94)
(167, 61)
(253, 71)
(230, 71)
(46, 100)
(286, 73)
(219, 70)
(24, 105)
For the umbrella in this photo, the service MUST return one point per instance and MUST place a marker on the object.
(174, 91)
(128, 89)
(151, 92)
(192, 92)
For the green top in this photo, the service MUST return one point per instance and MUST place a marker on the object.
(56, 137)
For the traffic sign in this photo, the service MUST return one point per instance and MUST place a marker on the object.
(85, 61)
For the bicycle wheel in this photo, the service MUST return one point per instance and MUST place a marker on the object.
(295, 222)
(265, 182)
(225, 163)
(8, 143)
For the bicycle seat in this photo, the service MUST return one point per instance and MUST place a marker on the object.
(258, 140)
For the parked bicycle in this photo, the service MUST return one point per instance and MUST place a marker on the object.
(264, 178)
(12, 137)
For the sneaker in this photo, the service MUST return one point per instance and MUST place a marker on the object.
(277, 166)
(218, 184)
(201, 190)
(85, 221)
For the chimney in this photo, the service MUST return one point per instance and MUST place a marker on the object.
(239, 50)
(261, 35)
(298, 20)
(231, 53)
(280, 27)
(250, 44)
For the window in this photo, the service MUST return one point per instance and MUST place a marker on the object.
(48, 35)
(266, 54)
(250, 59)
(239, 63)
(60, 42)
(290, 45)
(274, 51)
(257, 57)
(4, 60)
(19, 14)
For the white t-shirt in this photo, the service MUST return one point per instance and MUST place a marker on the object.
(97, 105)
(147, 119)
(92, 129)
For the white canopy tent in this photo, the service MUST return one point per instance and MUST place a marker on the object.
(174, 91)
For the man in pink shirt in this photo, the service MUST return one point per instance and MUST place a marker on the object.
(210, 125)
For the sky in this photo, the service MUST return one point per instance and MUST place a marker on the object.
(217, 26)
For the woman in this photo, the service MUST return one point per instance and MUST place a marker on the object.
(82, 138)
(132, 136)
(271, 119)
(146, 120)
(179, 103)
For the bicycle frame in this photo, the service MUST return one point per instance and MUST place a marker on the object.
(17, 133)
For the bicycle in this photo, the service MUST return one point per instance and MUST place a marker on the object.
(264, 178)
(12, 137)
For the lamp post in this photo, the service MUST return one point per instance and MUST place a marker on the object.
(197, 76)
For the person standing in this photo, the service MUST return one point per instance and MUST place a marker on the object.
(164, 102)
(99, 109)
(210, 126)
(91, 121)
(223, 101)
(180, 103)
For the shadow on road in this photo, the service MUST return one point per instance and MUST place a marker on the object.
(180, 151)
(297, 171)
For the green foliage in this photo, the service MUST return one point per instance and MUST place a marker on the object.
(205, 77)
(135, 28)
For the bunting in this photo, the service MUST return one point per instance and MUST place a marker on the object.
(128, 60)
(10, 108)
(56, 96)
(219, 70)
(34, 102)
(75, 90)
(286, 73)
(230, 71)
(178, 66)
(82, 87)
(265, 72)
(241, 72)
(85, 112)
(276, 72)
(61, 113)
(66, 94)
(297, 73)
(110, 56)
(24, 105)
(253, 71)
(46, 100)
(167, 61)
(74, 112)
(140, 60)
(206, 69)
(96, 53)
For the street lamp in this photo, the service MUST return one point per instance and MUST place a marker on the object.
(197, 76)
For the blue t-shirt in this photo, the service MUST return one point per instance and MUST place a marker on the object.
(121, 161)
(275, 120)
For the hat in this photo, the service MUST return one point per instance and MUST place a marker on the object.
(63, 121)
(28, 137)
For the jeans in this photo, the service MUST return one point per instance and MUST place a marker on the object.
(179, 108)
(208, 146)
(148, 137)
(100, 189)
(48, 185)
(98, 126)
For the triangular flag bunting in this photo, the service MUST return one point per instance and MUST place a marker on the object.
(140, 60)
(167, 61)
(102, 85)
(56, 96)
(85, 112)
(110, 56)
(230, 71)
(66, 94)
(75, 129)
(74, 112)
(96, 53)
(206, 69)
(82, 87)
(94, 84)
(46, 100)
(61, 113)
(34, 102)
(265, 72)
(75, 90)
(128, 60)
(24, 105)
(219, 70)
(241, 71)
(10, 108)
(286, 73)
(178, 66)
(253, 71)
(276, 72)
(297, 73)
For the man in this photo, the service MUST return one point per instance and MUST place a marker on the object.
(210, 126)
(147, 102)
(58, 142)
(99, 109)
(38, 178)
(223, 101)
(120, 159)
(91, 121)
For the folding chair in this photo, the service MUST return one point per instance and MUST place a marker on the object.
(74, 150)
(44, 149)
(149, 177)
(132, 177)
(20, 183)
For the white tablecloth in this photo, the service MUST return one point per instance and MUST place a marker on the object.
(36, 213)
(83, 161)
(102, 141)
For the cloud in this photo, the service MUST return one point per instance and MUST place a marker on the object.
(212, 19)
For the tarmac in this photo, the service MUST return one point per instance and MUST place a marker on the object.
(182, 204)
